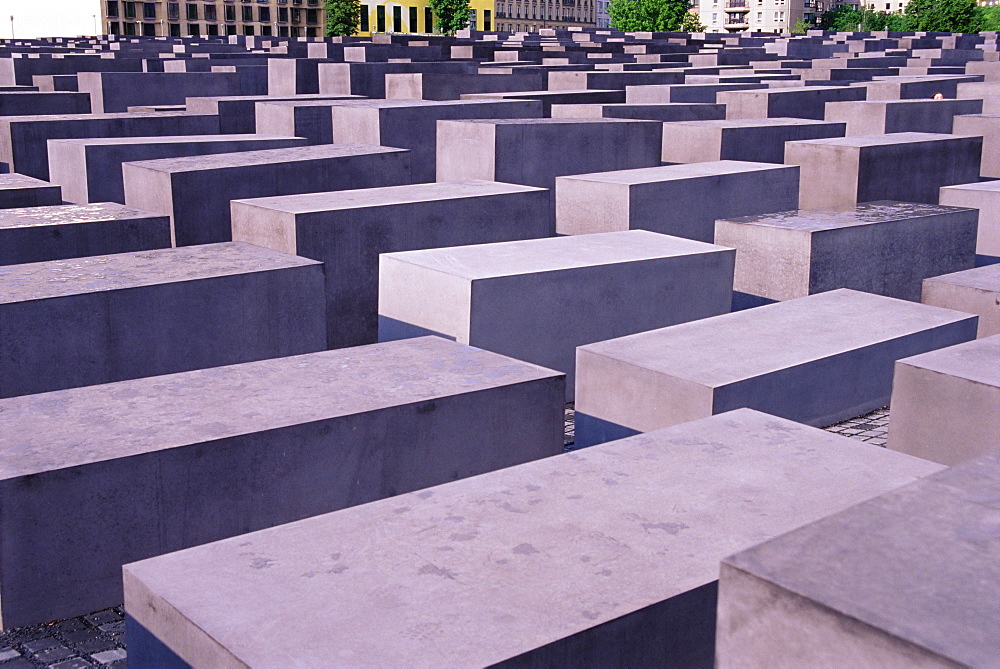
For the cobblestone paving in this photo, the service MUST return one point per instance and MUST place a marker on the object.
(98, 640)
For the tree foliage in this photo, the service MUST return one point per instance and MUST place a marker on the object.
(342, 17)
(989, 18)
(450, 15)
(960, 16)
(653, 16)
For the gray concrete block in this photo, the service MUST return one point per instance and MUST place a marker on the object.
(988, 126)
(974, 291)
(90, 170)
(607, 557)
(877, 117)
(113, 92)
(237, 113)
(817, 360)
(537, 300)
(18, 190)
(549, 98)
(985, 197)
(39, 234)
(915, 87)
(908, 579)
(70, 323)
(797, 102)
(886, 248)
(651, 94)
(196, 191)
(670, 111)
(680, 200)
(176, 461)
(31, 103)
(843, 171)
(761, 140)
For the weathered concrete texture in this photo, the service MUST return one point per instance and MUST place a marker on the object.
(886, 248)
(18, 190)
(549, 98)
(347, 230)
(145, 467)
(672, 111)
(90, 170)
(23, 138)
(844, 171)
(29, 103)
(817, 360)
(974, 291)
(537, 300)
(237, 113)
(908, 579)
(761, 140)
(985, 197)
(602, 558)
(987, 125)
(946, 403)
(100, 319)
(38, 234)
(413, 125)
(876, 117)
(112, 92)
(681, 200)
(310, 119)
(196, 191)
(798, 102)
(706, 93)
(924, 88)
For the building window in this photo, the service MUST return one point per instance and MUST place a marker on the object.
(192, 12)
(248, 30)
(487, 20)
(295, 31)
(428, 20)
(472, 19)
(296, 17)
(282, 31)
(210, 14)
(148, 11)
(230, 13)
(265, 31)
(230, 30)
(112, 6)
(175, 30)
(310, 32)
(283, 14)
(265, 14)
(715, 18)
(194, 30)
(173, 11)
(130, 14)
(397, 19)
(248, 14)
(380, 18)
(149, 30)
(364, 18)
(413, 28)
(312, 16)
(129, 28)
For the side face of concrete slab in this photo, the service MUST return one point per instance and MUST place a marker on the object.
(180, 460)
(750, 140)
(18, 190)
(974, 291)
(571, 557)
(986, 198)
(865, 586)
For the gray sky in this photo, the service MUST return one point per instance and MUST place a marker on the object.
(48, 18)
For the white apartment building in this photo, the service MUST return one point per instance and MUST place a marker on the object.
(758, 16)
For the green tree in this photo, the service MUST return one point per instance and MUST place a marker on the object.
(957, 16)
(989, 18)
(802, 26)
(653, 16)
(450, 15)
(342, 17)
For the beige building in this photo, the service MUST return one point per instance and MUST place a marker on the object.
(531, 15)
(731, 16)
(181, 18)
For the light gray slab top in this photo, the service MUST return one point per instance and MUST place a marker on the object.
(111, 116)
(167, 139)
(752, 122)
(992, 186)
(14, 181)
(921, 562)
(552, 254)
(725, 349)
(977, 360)
(866, 213)
(862, 141)
(981, 278)
(385, 196)
(394, 103)
(77, 426)
(644, 175)
(476, 571)
(264, 157)
(547, 121)
(96, 274)
(68, 214)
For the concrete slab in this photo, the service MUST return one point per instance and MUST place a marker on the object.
(605, 557)
(671, 111)
(70, 323)
(876, 117)
(817, 360)
(908, 579)
(793, 102)
(974, 291)
(18, 190)
(985, 197)
(537, 300)
(237, 113)
(753, 140)
(988, 126)
(144, 467)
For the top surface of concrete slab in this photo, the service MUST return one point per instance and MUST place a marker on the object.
(95, 274)
(862, 141)
(745, 344)
(95, 117)
(993, 186)
(67, 214)
(408, 102)
(920, 563)
(866, 213)
(668, 172)
(385, 196)
(14, 181)
(548, 121)
(977, 360)
(264, 157)
(483, 261)
(165, 139)
(476, 571)
(752, 122)
(981, 278)
(43, 431)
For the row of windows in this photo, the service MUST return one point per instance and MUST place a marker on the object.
(547, 11)
(737, 18)
(413, 24)
(284, 15)
(194, 30)
(113, 7)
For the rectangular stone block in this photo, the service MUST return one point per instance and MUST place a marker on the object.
(70, 323)
(297, 118)
(908, 579)
(23, 138)
(196, 191)
(877, 117)
(974, 291)
(18, 190)
(537, 300)
(237, 113)
(39, 234)
(30, 103)
(817, 360)
(180, 460)
(413, 125)
(697, 194)
(347, 230)
(946, 403)
(90, 170)
(886, 248)
(761, 141)
(682, 92)
(843, 171)
(988, 126)
(549, 98)
(985, 197)
(113, 92)
(670, 111)
(606, 557)
(798, 102)
(918, 87)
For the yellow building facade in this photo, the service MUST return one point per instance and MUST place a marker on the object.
(415, 16)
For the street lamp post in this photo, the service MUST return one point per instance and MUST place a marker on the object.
(12, 26)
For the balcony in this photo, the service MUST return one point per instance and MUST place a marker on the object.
(736, 4)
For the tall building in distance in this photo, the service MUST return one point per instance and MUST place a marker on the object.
(757, 16)
(532, 15)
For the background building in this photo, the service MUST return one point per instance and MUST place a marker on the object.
(768, 16)
(531, 15)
